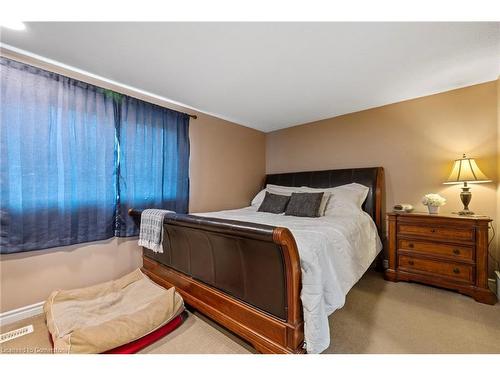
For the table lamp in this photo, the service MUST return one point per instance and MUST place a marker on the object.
(466, 170)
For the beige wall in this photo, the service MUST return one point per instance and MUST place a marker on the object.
(497, 257)
(28, 278)
(415, 141)
(227, 166)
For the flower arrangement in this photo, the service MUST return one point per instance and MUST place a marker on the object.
(433, 202)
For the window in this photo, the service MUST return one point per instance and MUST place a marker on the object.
(74, 157)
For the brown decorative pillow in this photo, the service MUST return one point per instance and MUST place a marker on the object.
(274, 203)
(304, 204)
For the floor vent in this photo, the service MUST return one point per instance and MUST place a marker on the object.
(16, 333)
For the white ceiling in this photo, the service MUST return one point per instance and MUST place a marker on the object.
(270, 76)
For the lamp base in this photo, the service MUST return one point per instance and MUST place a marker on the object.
(465, 197)
(465, 213)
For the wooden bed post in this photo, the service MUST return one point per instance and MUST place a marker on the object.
(379, 202)
(380, 216)
(295, 321)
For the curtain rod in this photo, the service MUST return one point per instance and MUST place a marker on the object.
(21, 56)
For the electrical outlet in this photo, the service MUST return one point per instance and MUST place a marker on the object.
(385, 263)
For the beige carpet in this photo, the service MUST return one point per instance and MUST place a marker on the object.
(385, 317)
(194, 336)
(379, 317)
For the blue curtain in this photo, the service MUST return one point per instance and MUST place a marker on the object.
(57, 145)
(154, 161)
(74, 157)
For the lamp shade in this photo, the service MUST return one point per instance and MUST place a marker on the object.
(466, 170)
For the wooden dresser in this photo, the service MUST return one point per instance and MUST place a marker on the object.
(448, 251)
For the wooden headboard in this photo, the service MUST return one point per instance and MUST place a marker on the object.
(372, 177)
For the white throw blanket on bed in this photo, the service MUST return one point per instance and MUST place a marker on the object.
(151, 231)
(335, 251)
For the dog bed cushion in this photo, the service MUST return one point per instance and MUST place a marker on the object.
(108, 315)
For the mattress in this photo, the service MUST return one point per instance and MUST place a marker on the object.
(335, 251)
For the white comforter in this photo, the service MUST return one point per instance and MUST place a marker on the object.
(335, 251)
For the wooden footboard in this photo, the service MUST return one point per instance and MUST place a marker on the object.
(245, 276)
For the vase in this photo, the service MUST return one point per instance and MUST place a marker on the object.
(433, 209)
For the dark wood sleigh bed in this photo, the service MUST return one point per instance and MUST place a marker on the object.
(247, 276)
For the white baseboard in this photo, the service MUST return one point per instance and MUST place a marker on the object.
(21, 313)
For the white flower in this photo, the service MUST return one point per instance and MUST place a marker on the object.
(434, 200)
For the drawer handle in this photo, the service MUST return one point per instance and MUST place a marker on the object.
(411, 246)
(456, 270)
(456, 251)
(433, 230)
(411, 262)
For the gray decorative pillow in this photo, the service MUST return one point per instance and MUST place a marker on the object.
(274, 203)
(304, 204)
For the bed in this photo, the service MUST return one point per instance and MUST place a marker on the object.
(272, 279)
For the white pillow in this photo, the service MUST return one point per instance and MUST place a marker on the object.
(283, 189)
(274, 189)
(336, 199)
(259, 198)
(344, 196)
(347, 197)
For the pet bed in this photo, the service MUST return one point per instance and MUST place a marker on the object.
(150, 338)
(111, 315)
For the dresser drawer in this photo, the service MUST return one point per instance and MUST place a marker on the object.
(451, 270)
(445, 233)
(459, 252)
